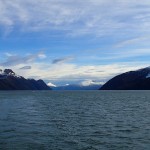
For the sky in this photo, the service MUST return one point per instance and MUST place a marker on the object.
(73, 41)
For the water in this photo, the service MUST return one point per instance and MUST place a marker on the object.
(81, 120)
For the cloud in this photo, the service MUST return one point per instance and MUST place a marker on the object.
(9, 54)
(42, 56)
(25, 67)
(71, 73)
(112, 20)
(116, 55)
(95, 17)
(132, 41)
(13, 60)
(62, 60)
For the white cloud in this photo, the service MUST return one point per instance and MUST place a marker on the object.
(15, 60)
(115, 55)
(9, 54)
(90, 74)
(72, 72)
(75, 18)
(42, 56)
(98, 17)
(28, 67)
(133, 41)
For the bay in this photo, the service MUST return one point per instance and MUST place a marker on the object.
(74, 120)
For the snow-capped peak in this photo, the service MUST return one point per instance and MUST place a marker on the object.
(51, 84)
(90, 82)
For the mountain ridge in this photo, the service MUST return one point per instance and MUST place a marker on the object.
(77, 87)
(10, 81)
(132, 80)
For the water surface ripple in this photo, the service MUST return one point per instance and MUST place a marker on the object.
(75, 120)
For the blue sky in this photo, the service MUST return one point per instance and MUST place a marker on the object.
(72, 41)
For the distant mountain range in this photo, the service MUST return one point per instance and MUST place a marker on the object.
(133, 80)
(77, 87)
(10, 81)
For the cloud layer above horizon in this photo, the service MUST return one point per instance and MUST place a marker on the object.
(99, 17)
(92, 39)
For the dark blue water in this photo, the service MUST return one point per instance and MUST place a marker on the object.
(86, 120)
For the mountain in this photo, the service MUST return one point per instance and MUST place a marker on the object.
(10, 81)
(77, 87)
(133, 80)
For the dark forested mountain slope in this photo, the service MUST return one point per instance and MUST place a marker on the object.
(10, 81)
(133, 80)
